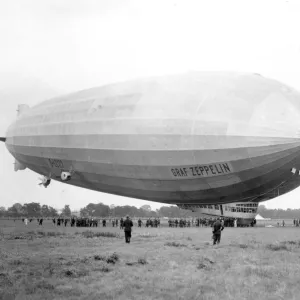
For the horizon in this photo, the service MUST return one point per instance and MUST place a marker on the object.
(139, 207)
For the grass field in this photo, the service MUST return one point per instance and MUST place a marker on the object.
(160, 263)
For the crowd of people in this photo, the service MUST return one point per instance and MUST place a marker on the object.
(296, 222)
(218, 224)
(149, 222)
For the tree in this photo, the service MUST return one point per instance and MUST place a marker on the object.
(84, 212)
(16, 210)
(169, 211)
(99, 210)
(66, 211)
(32, 209)
(52, 212)
(146, 207)
(45, 211)
(2, 211)
(263, 211)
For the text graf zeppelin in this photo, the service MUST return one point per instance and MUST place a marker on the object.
(56, 163)
(202, 170)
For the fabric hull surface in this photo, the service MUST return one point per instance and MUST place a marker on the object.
(188, 139)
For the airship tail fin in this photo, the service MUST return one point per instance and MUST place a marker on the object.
(22, 108)
(3, 139)
(19, 166)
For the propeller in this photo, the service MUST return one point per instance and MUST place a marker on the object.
(45, 181)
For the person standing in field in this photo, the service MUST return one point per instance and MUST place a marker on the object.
(127, 229)
(217, 229)
(222, 222)
(26, 221)
(235, 223)
(140, 222)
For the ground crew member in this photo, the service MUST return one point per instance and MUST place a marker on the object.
(127, 229)
(217, 228)
(140, 223)
(176, 223)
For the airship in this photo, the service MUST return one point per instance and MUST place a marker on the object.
(214, 142)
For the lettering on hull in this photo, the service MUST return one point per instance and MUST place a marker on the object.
(202, 170)
(56, 163)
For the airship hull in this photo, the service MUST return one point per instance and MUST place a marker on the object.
(188, 139)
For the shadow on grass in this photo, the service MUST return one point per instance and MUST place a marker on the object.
(110, 259)
(285, 245)
(92, 234)
(292, 243)
(205, 263)
(75, 273)
(5, 279)
(30, 235)
(147, 235)
(175, 244)
(242, 246)
(277, 247)
(141, 261)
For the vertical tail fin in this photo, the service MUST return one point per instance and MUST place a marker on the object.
(22, 108)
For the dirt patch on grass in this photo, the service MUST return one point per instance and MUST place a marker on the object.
(75, 273)
(93, 234)
(103, 268)
(277, 247)
(205, 263)
(5, 279)
(140, 261)
(147, 235)
(291, 243)
(17, 262)
(110, 259)
(175, 244)
(30, 235)
(242, 246)
(284, 246)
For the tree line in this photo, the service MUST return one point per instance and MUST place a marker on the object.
(145, 211)
(34, 209)
(278, 213)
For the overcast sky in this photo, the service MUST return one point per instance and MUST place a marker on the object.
(52, 47)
